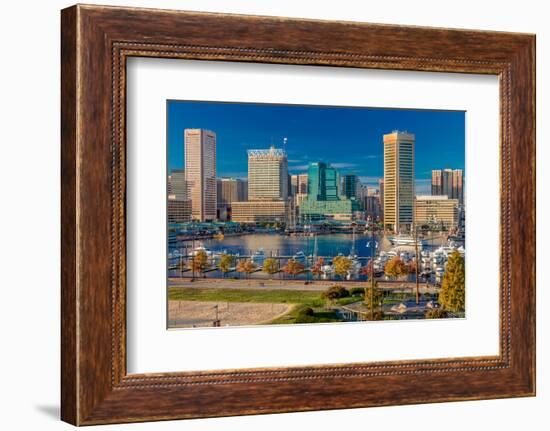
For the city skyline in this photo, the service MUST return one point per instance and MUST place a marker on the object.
(314, 134)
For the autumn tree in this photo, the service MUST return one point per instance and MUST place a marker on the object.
(452, 293)
(199, 262)
(270, 266)
(317, 268)
(395, 267)
(226, 262)
(293, 268)
(247, 267)
(342, 265)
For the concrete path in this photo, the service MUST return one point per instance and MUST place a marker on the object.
(194, 314)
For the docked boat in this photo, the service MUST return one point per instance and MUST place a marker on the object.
(201, 249)
(326, 272)
(355, 267)
(405, 240)
(258, 257)
(300, 257)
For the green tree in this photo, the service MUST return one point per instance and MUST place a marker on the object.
(452, 293)
(342, 265)
(293, 268)
(199, 262)
(226, 262)
(271, 266)
(376, 294)
(395, 267)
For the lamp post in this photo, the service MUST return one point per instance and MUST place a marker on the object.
(181, 265)
(416, 263)
(192, 258)
(372, 246)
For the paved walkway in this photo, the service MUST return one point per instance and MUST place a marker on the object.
(194, 314)
(317, 285)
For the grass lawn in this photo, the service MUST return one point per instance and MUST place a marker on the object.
(311, 298)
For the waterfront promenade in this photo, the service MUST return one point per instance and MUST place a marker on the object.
(315, 286)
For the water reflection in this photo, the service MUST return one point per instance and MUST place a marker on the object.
(281, 245)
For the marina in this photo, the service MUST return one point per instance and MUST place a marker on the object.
(434, 250)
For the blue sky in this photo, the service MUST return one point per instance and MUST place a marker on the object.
(348, 138)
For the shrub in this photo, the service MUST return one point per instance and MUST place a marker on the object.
(357, 291)
(306, 311)
(335, 292)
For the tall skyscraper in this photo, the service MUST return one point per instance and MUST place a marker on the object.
(200, 172)
(350, 186)
(437, 182)
(268, 188)
(298, 184)
(267, 174)
(323, 182)
(178, 206)
(399, 180)
(458, 186)
(372, 204)
(448, 182)
(323, 198)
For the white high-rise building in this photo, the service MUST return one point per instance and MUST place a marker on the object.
(268, 188)
(267, 175)
(200, 172)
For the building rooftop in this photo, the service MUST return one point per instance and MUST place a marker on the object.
(271, 152)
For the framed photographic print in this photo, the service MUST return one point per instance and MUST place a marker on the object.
(268, 215)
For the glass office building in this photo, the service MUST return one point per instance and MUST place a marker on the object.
(323, 199)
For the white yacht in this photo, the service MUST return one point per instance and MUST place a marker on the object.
(258, 257)
(201, 248)
(300, 257)
(405, 240)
